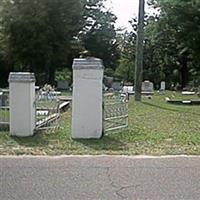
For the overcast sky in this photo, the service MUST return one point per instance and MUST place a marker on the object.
(125, 10)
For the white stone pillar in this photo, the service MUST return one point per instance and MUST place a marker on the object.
(87, 111)
(22, 104)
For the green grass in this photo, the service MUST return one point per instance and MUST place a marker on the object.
(155, 128)
(4, 115)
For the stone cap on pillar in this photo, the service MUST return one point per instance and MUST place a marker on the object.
(87, 63)
(21, 77)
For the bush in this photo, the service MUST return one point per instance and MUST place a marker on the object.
(65, 74)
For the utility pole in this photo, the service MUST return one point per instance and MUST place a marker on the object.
(139, 52)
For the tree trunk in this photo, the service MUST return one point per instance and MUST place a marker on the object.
(184, 73)
(47, 72)
(139, 53)
(52, 76)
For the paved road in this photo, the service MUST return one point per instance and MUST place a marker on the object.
(99, 178)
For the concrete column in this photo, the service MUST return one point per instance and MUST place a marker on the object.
(87, 111)
(22, 106)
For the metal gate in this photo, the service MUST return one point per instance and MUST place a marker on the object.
(47, 111)
(4, 110)
(115, 111)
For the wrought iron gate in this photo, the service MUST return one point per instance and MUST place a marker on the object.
(115, 111)
(4, 110)
(47, 111)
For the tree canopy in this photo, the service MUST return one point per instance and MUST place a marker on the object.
(39, 32)
(43, 36)
(173, 41)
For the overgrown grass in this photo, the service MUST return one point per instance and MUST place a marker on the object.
(155, 128)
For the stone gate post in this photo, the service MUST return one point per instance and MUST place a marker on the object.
(87, 111)
(22, 103)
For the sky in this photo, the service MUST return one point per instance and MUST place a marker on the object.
(125, 10)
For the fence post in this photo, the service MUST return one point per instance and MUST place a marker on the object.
(87, 111)
(22, 103)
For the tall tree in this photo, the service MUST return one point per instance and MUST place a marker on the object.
(126, 68)
(40, 32)
(176, 34)
(99, 34)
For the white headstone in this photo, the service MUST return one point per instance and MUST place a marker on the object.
(162, 86)
(128, 89)
(87, 111)
(22, 104)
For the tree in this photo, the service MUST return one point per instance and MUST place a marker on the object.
(126, 69)
(99, 34)
(174, 35)
(41, 32)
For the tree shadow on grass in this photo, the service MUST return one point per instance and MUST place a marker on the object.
(106, 143)
(169, 109)
(38, 140)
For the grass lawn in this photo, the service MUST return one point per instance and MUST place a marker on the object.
(155, 128)
(4, 115)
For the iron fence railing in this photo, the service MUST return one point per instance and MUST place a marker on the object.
(47, 111)
(4, 109)
(115, 112)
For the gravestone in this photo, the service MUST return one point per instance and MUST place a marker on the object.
(162, 87)
(128, 90)
(117, 86)
(63, 85)
(1, 97)
(108, 81)
(147, 87)
(87, 111)
(187, 93)
(4, 93)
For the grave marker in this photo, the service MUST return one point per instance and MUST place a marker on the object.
(162, 87)
(147, 87)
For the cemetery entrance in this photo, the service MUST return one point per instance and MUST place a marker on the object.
(115, 112)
